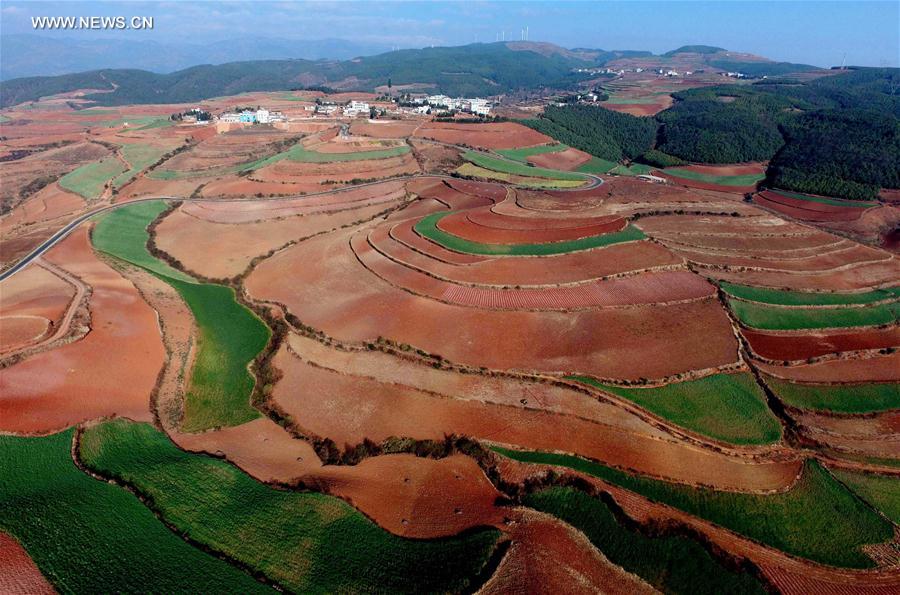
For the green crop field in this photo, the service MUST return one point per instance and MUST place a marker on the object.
(614, 100)
(90, 536)
(427, 227)
(597, 166)
(139, 156)
(4, 118)
(673, 564)
(635, 169)
(309, 542)
(742, 180)
(729, 407)
(798, 298)
(817, 518)
(851, 398)
(89, 180)
(299, 153)
(881, 491)
(138, 122)
(519, 169)
(861, 204)
(522, 154)
(775, 318)
(229, 335)
(472, 170)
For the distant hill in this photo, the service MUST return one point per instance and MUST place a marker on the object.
(695, 49)
(42, 55)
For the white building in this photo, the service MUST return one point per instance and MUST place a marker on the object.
(262, 116)
(438, 100)
(230, 118)
(354, 108)
(479, 106)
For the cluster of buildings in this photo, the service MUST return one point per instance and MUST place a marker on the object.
(618, 71)
(477, 105)
(664, 72)
(260, 116)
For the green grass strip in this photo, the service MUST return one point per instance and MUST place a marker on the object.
(742, 180)
(672, 564)
(817, 518)
(851, 398)
(635, 169)
(728, 407)
(522, 154)
(89, 180)
(597, 166)
(139, 156)
(89, 536)
(838, 202)
(519, 169)
(427, 227)
(310, 542)
(798, 298)
(229, 335)
(299, 153)
(613, 100)
(881, 491)
(774, 318)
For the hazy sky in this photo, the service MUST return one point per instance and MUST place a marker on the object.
(812, 32)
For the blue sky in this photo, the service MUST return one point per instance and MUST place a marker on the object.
(813, 32)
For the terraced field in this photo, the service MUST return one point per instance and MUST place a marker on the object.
(773, 318)
(89, 180)
(849, 398)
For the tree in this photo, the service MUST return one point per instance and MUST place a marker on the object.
(390, 84)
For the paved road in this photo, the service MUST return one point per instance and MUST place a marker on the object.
(68, 228)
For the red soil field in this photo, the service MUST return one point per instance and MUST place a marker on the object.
(328, 288)
(811, 242)
(32, 303)
(852, 278)
(521, 219)
(641, 109)
(79, 381)
(348, 408)
(807, 210)
(50, 203)
(793, 346)
(828, 261)
(546, 552)
(461, 225)
(220, 250)
(875, 369)
(740, 169)
(502, 135)
(690, 225)
(792, 576)
(499, 390)
(486, 190)
(648, 288)
(404, 233)
(385, 128)
(18, 573)
(567, 160)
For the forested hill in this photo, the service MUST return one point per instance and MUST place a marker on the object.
(477, 69)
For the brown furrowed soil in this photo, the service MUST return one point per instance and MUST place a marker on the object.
(795, 346)
(807, 210)
(503, 135)
(882, 368)
(19, 575)
(80, 381)
(32, 303)
(567, 160)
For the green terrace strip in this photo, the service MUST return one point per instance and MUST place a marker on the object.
(89, 180)
(308, 542)
(139, 156)
(741, 180)
(671, 563)
(90, 536)
(139, 122)
(299, 153)
(523, 153)
(635, 169)
(728, 407)
(520, 169)
(881, 491)
(775, 318)
(798, 298)
(847, 398)
(818, 518)
(597, 166)
(427, 227)
(838, 202)
(230, 335)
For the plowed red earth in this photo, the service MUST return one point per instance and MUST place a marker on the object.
(503, 135)
(31, 303)
(807, 210)
(717, 170)
(876, 369)
(639, 289)
(323, 283)
(384, 129)
(794, 346)
(827, 261)
(349, 408)
(856, 277)
(792, 576)
(549, 554)
(18, 573)
(460, 225)
(567, 160)
(79, 381)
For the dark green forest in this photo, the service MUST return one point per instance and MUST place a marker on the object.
(597, 130)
